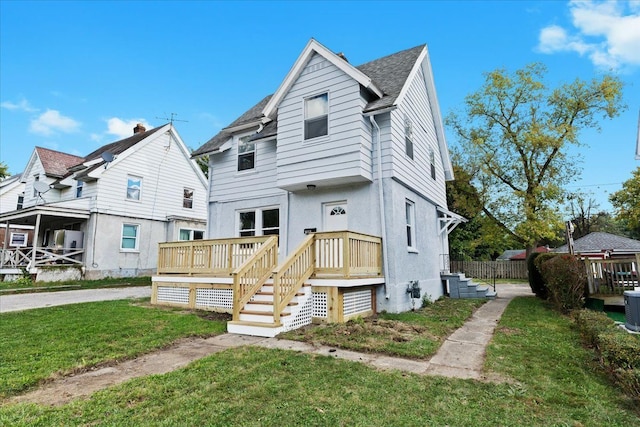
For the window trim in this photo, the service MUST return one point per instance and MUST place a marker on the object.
(315, 118)
(259, 228)
(25, 241)
(136, 247)
(131, 199)
(410, 219)
(245, 140)
(20, 203)
(185, 199)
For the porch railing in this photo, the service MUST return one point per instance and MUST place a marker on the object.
(214, 256)
(612, 276)
(23, 257)
(253, 273)
(347, 254)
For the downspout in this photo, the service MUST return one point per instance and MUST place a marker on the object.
(385, 257)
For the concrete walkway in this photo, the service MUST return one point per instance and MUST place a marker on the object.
(18, 302)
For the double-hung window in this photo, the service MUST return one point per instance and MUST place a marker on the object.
(246, 154)
(79, 188)
(259, 222)
(134, 187)
(36, 178)
(432, 161)
(316, 116)
(411, 221)
(188, 234)
(20, 201)
(408, 137)
(130, 233)
(187, 198)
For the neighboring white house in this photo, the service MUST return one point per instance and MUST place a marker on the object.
(104, 214)
(342, 147)
(11, 193)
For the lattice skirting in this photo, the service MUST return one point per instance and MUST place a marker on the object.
(214, 298)
(357, 302)
(173, 295)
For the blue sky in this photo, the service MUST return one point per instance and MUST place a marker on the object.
(76, 75)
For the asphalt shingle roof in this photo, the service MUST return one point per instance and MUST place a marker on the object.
(388, 73)
(598, 242)
(56, 164)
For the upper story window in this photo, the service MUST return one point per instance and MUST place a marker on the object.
(187, 198)
(246, 154)
(134, 187)
(316, 116)
(189, 234)
(411, 220)
(130, 234)
(36, 178)
(432, 161)
(408, 137)
(79, 188)
(20, 201)
(259, 222)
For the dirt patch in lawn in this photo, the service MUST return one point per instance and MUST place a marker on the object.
(64, 389)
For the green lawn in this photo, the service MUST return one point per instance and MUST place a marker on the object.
(35, 344)
(553, 383)
(29, 286)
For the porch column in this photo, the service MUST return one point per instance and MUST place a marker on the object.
(5, 244)
(36, 233)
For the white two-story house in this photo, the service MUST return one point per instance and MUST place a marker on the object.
(104, 214)
(348, 160)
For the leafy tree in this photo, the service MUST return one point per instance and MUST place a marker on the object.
(514, 135)
(626, 203)
(4, 170)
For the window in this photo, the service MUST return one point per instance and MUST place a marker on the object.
(134, 187)
(259, 222)
(187, 198)
(432, 161)
(411, 232)
(246, 154)
(18, 239)
(130, 237)
(188, 234)
(20, 201)
(36, 178)
(79, 187)
(316, 116)
(408, 137)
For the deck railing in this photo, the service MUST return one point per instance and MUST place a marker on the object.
(612, 276)
(23, 257)
(253, 273)
(347, 254)
(290, 276)
(214, 257)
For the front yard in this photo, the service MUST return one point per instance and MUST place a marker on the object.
(552, 379)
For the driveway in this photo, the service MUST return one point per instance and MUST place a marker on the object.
(20, 302)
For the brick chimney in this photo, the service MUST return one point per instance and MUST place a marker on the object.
(139, 128)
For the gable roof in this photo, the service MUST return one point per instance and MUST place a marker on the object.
(55, 163)
(386, 77)
(522, 255)
(507, 254)
(599, 242)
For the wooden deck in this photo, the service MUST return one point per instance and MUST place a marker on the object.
(612, 276)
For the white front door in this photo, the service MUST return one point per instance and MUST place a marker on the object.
(335, 216)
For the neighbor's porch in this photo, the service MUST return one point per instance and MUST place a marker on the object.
(330, 277)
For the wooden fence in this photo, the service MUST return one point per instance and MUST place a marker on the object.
(490, 269)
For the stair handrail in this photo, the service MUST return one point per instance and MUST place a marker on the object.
(252, 274)
(290, 276)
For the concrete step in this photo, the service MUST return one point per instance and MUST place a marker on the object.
(254, 329)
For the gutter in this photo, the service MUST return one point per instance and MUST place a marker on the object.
(383, 223)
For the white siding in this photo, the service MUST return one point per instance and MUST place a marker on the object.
(9, 196)
(416, 173)
(165, 171)
(344, 155)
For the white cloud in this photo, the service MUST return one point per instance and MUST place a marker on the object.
(608, 33)
(51, 121)
(124, 128)
(22, 105)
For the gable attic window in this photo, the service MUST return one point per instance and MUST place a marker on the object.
(79, 188)
(316, 116)
(408, 137)
(20, 201)
(187, 198)
(134, 187)
(36, 178)
(246, 154)
(432, 161)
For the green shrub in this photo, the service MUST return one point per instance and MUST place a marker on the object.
(566, 280)
(536, 282)
(619, 351)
